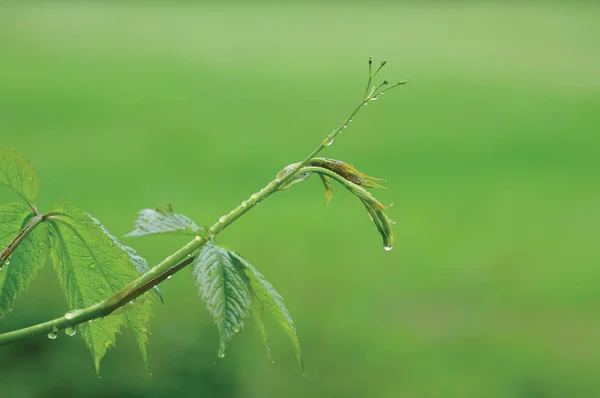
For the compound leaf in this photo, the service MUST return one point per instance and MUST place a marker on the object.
(92, 266)
(225, 289)
(163, 221)
(18, 175)
(26, 260)
(270, 300)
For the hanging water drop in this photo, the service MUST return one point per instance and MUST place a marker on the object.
(169, 277)
(53, 334)
(374, 98)
(222, 355)
(70, 331)
(388, 248)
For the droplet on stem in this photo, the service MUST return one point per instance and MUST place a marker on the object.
(388, 248)
(53, 334)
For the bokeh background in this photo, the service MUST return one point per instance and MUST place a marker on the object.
(491, 155)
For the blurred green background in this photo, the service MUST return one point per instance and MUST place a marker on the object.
(491, 155)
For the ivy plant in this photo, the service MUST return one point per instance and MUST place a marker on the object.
(108, 286)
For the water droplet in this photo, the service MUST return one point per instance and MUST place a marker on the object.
(366, 103)
(72, 314)
(7, 262)
(328, 141)
(222, 219)
(388, 248)
(70, 331)
(74, 237)
(222, 355)
(53, 334)
(169, 277)
(345, 126)
(245, 203)
(350, 121)
(236, 329)
(254, 196)
(92, 285)
(131, 302)
(92, 265)
(374, 98)
(101, 291)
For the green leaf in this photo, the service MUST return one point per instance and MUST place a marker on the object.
(91, 266)
(225, 289)
(27, 259)
(140, 262)
(163, 221)
(270, 300)
(18, 175)
(257, 311)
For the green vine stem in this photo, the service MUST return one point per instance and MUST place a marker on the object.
(183, 257)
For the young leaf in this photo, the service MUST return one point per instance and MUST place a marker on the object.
(270, 300)
(18, 175)
(92, 266)
(328, 188)
(347, 171)
(163, 221)
(225, 289)
(300, 177)
(27, 259)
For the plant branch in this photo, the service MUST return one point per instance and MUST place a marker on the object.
(183, 257)
(12, 246)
